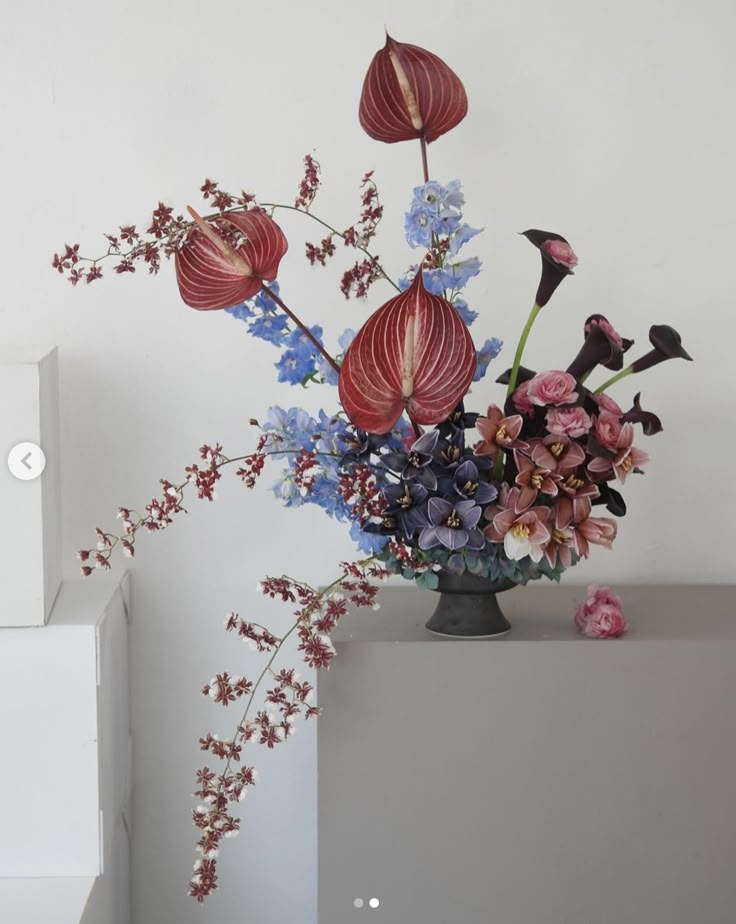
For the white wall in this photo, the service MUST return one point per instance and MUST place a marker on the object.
(609, 123)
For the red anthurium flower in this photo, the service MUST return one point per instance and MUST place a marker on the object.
(410, 93)
(414, 354)
(225, 259)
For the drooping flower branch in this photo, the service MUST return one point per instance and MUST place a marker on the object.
(317, 613)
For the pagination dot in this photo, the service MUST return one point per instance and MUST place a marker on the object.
(374, 903)
(358, 902)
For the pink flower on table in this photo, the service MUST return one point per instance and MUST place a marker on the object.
(593, 530)
(521, 398)
(553, 387)
(627, 457)
(601, 615)
(533, 479)
(608, 430)
(521, 529)
(568, 421)
(559, 547)
(606, 403)
(498, 432)
(557, 453)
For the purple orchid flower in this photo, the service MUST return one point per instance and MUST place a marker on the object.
(455, 526)
(407, 506)
(468, 485)
(415, 465)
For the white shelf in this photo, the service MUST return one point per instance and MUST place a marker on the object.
(64, 712)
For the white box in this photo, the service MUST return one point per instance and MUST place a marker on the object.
(30, 533)
(64, 777)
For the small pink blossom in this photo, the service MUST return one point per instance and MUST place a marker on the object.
(553, 387)
(608, 328)
(561, 252)
(588, 529)
(607, 430)
(628, 457)
(601, 614)
(521, 399)
(568, 421)
(606, 403)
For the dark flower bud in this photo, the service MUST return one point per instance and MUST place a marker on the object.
(667, 344)
(650, 423)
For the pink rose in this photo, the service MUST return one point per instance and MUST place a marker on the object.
(608, 430)
(552, 388)
(521, 399)
(561, 252)
(601, 615)
(568, 421)
(605, 403)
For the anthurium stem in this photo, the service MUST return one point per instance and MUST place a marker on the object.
(520, 349)
(425, 165)
(303, 327)
(619, 375)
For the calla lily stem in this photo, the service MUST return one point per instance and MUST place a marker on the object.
(619, 375)
(520, 349)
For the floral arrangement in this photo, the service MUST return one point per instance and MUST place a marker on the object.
(427, 485)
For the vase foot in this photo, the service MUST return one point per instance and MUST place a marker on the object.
(460, 638)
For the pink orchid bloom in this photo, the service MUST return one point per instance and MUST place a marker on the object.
(559, 547)
(595, 530)
(532, 479)
(521, 529)
(559, 454)
(627, 458)
(579, 490)
(498, 432)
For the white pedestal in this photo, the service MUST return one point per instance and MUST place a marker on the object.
(30, 553)
(64, 777)
(539, 777)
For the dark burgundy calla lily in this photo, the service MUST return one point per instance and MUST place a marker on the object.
(650, 423)
(226, 259)
(602, 346)
(414, 354)
(410, 93)
(667, 344)
(558, 261)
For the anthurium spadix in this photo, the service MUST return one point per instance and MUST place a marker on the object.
(410, 93)
(414, 354)
(225, 260)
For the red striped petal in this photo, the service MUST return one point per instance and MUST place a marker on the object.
(414, 354)
(410, 93)
(213, 274)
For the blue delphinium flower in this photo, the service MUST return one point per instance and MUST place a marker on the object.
(490, 350)
(243, 312)
(456, 275)
(270, 327)
(325, 369)
(434, 209)
(294, 367)
(467, 314)
(371, 543)
(461, 236)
